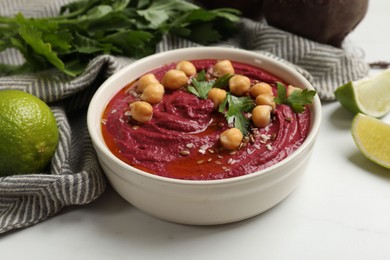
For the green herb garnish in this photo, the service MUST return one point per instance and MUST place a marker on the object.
(222, 82)
(297, 100)
(201, 86)
(87, 28)
(234, 108)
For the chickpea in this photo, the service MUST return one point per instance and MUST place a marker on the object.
(261, 88)
(261, 115)
(141, 111)
(187, 67)
(231, 138)
(223, 67)
(239, 85)
(145, 80)
(217, 95)
(153, 93)
(174, 79)
(291, 89)
(266, 99)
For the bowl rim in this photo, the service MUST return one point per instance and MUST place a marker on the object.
(99, 142)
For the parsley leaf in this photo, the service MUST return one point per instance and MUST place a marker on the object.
(297, 100)
(200, 86)
(282, 94)
(234, 108)
(160, 12)
(206, 26)
(34, 39)
(223, 81)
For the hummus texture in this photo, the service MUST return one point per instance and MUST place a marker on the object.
(182, 139)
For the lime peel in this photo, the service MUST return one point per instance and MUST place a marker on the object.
(370, 95)
(371, 136)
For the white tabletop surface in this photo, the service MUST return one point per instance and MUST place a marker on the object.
(341, 209)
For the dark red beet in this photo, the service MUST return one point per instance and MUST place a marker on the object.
(324, 21)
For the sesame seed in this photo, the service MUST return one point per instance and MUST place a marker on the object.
(249, 151)
(203, 147)
(190, 145)
(264, 138)
(202, 151)
(184, 152)
(127, 113)
(132, 92)
(231, 161)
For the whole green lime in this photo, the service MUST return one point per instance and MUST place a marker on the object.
(28, 133)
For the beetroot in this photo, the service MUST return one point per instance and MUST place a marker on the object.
(324, 21)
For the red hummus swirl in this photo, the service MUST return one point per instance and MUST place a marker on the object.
(182, 139)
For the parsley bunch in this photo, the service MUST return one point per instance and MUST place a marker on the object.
(87, 28)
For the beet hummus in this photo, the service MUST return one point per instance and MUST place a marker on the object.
(181, 139)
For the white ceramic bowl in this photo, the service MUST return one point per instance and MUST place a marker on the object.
(201, 202)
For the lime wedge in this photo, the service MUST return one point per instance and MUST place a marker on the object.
(370, 96)
(371, 136)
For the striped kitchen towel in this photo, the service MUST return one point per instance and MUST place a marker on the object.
(74, 176)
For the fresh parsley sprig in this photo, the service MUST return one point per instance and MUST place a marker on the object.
(235, 108)
(297, 100)
(85, 29)
(200, 86)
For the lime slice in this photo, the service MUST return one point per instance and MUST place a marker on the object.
(370, 96)
(371, 136)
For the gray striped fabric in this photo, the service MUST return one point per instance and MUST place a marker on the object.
(75, 177)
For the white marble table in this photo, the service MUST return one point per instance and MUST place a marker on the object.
(341, 210)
